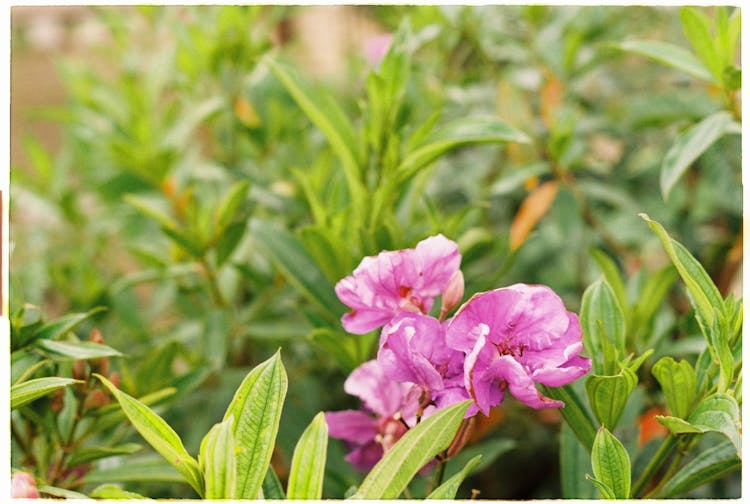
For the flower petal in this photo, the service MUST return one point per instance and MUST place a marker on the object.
(351, 425)
(520, 384)
(365, 457)
(380, 394)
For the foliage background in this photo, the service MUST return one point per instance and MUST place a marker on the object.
(175, 107)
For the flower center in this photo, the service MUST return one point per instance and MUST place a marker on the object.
(505, 347)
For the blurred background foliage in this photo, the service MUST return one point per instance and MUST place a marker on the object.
(176, 179)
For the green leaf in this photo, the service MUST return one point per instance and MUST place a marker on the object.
(707, 466)
(602, 322)
(24, 393)
(135, 471)
(151, 210)
(718, 344)
(256, 408)
(229, 204)
(323, 111)
(80, 350)
(448, 490)
(329, 251)
(704, 293)
(110, 491)
(342, 347)
(689, 146)
(159, 435)
(611, 464)
(575, 461)
(717, 413)
(459, 133)
(697, 27)
(651, 297)
(91, 453)
(59, 327)
(612, 276)
(218, 462)
(297, 266)
(418, 446)
(272, 488)
(309, 461)
(609, 394)
(671, 55)
(61, 493)
(678, 383)
(516, 177)
(574, 413)
(606, 491)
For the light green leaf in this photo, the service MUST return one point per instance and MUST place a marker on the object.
(574, 413)
(218, 462)
(515, 178)
(91, 453)
(459, 133)
(135, 471)
(602, 322)
(609, 394)
(707, 466)
(697, 27)
(717, 412)
(256, 408)
(448, 490)
(24, 393)
(689, 146)
(704, 293)
(179, 135)
(229, 204)
(309, 461)
(651, 297)
(152, 210)
(323, 111)
(159, 435)
(605, 490)
(110, 491)
(297, 266)
(718, 343)
(329, 251)
(678, 382)
(418, 446)
(575, 461)
(611, 464)
(671, 55)
(612, 275)
(61, 493)
(79, 350)
(342, 347)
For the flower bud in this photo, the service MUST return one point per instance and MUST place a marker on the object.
(95, 336)
(95, 399)
(115, 379)
(23, 486)
(57, 401)
(79, 370)
(453, 293)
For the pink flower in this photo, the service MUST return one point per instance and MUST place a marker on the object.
(372, 432)
(413, 350)
(514, 338)
(376, 48)
(23, 486)
(397, 281)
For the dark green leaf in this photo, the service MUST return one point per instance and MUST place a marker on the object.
(611, 464)
(228, 242)
(272, 489)
(309, 461)
(707, 466)
(256, 409)
(417, 447)
(575, 461)
(574, 413)
(612, 275)
(59, 327)
(91, 453)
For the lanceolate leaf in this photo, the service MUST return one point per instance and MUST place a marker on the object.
(309, 461)
(602, 318)
(417, 447)
(218, 462)
(78, 350)
(90, 453)
(609, 394)
(702, 289)
(697, 28)
(669, 54)
(297, 266)
(159, 435)
(611, 464)
(612, 276)
(24, 393)
(575, 413)
(58, 327)
(706, 466)
(689, 146)
(448, 490)
(575, 462)
(678, 382)
(256, 408)
(272, 489)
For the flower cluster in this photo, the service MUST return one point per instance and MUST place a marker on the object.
(506, 339)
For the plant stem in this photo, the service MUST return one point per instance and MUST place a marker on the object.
(656, 462)
(439, 473)
(213, 283)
